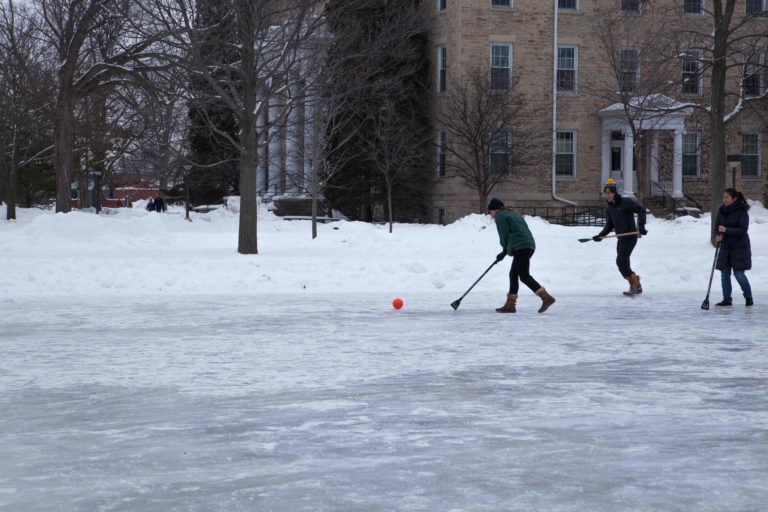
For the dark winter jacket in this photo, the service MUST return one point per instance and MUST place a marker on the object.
(513, 232)
(620, 216)
(735, 248)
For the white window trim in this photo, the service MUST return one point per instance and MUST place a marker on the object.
(700, 83)
(575, 68)
(636, 84)
(698, 155)
(508, 152)
(490, 61)
(760, 75)
(575, 154)
(759, 155)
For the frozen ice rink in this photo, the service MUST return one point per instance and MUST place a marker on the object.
(339, 403)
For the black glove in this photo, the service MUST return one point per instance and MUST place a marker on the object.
(500, 256)
(643, 231)
(597, 238)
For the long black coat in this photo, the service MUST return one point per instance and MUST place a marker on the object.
(735, 248)
(620, 215)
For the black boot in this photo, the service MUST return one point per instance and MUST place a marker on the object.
(750, 302)
(725, 302)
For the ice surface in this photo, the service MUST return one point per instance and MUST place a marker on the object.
(337, 402)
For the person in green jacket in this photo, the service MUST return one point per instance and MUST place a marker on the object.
(517, 241)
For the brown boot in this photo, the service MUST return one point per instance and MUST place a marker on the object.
(509, 306)
(634, 285)
(546, 299)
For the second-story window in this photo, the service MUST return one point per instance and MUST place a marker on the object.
(442, 57)
(629, 64)
(693, 6)
(754, 7)
(566, 68)
(630, 5)
(501, 66)
(691, 73)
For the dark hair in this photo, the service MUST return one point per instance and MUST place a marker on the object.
(739, 197)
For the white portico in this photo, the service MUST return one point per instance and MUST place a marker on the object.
(651, 115)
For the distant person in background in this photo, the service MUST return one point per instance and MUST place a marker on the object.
(517, 241)
(735, 249)
(160, 204)
(150, 205)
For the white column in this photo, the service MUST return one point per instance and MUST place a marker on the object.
(655, 156)
(294, 149)
(261, 151)
(273, 172)
(626, 164)
(309, 119)
(605, 169)
(677, 167)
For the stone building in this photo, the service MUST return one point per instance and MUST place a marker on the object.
(631, 117)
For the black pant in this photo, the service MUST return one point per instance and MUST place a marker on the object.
(520, 271)
(624, 248)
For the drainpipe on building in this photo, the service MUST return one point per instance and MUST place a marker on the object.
(554, 115)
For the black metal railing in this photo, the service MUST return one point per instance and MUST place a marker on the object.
(668, 202)
(566, 215)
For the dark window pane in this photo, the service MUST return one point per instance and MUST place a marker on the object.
(630, 5)
(754, 6)
(692, 6)
(564, 165)
(499, 78)
(566, 4)
(501, 3)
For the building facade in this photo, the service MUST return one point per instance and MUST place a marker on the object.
(616, 96)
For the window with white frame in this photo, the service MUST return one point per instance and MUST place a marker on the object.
(693, 6)
(501, 147)
(568, 4)
(565, 155)
(750, 155)
(566, 68)
(692, 73)
(691, 155)
(501, 66)
(753, 76)
(442, 57)
(630, 5)
(441, 153)
(754, 7)
(629, 64)
(501, 3)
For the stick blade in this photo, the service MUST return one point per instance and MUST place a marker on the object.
(455, 304)
(705, 304)
(582, 240)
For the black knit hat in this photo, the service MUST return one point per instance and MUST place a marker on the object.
(495, 204)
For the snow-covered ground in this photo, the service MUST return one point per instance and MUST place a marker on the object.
(146, 366)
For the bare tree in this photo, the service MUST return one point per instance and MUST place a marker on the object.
(489, 130)
(24, 126)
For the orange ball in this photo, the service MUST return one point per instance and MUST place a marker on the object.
(397, 303)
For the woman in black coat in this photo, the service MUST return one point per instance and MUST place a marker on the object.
(735, 251)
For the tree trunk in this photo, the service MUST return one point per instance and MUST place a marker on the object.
(64, 140)
(249, 136)
(716, 121)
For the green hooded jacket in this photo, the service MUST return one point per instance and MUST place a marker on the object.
(513, 232)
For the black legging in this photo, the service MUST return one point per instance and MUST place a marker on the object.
(521, 271)
(624, 248)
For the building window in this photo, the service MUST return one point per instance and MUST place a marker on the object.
(691, 154)
(442, 57)
(441, 5)
(567, 4)
(754, 7)
(629, 62)
(441, 216)
(501, 3)
(501, 147)
(566, 68)
(692, 73)
(501, 66)
(693, 6)
(753, 76)
(565, 157)
(750, 155)
(441, 153)
(630, 5)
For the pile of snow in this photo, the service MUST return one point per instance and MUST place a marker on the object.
(134, 252)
